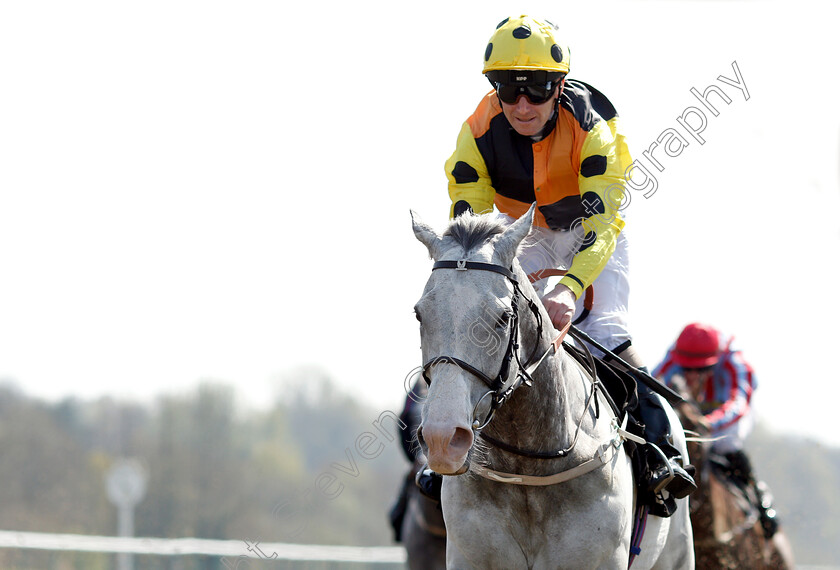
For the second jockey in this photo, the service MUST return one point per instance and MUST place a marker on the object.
(722, 383)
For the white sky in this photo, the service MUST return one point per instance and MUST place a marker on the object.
(194, 190)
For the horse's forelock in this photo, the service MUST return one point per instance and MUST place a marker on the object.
(471, 231)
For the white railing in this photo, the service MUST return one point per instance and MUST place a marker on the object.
(200, 546)
(206, 547)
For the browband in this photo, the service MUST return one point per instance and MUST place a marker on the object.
(463, 265)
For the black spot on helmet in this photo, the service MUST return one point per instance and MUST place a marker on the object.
(522, 32)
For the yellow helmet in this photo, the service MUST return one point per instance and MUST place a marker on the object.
(528, 44)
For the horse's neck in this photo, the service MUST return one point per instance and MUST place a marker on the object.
(544, 417)
(546, 401)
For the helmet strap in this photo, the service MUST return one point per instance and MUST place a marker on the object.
(560, 92)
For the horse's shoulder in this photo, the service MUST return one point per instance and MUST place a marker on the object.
(619, 386)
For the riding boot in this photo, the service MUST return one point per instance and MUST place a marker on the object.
(429, 483)
(664, 461)
(740, 469)
(664, 470)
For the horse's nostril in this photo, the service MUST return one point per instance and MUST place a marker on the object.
(463, 439)
(420, 439)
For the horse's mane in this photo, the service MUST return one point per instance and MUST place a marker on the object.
(470, 231)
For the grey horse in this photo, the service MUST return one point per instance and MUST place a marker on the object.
(503, 509)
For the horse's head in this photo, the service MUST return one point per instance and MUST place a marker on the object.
(468, 331)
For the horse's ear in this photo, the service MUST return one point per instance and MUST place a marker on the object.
(426, 235)
(513, 236)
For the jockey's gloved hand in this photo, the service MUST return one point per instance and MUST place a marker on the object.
(560, 304)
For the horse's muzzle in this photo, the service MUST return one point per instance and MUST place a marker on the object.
(447, 449)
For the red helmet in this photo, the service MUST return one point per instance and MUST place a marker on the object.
(698, 346)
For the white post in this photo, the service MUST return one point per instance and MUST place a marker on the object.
(126, 485)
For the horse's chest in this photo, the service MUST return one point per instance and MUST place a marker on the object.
(548, 531)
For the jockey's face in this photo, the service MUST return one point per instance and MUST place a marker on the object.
(529, 119)
(696, 379)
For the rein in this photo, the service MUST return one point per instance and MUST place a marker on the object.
(500, 394)
(560, 452)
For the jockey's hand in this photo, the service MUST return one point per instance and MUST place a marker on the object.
(560, 303)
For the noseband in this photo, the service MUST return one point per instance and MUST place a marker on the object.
(500, 394)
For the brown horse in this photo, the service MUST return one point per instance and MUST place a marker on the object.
(423, 530)
(728, 533)
(421, 527)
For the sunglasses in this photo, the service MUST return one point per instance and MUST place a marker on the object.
(537, 94)
(702, 370)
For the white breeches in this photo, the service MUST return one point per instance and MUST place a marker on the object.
(607, 320)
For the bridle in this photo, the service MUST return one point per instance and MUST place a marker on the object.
(500, 394)
(498, 391)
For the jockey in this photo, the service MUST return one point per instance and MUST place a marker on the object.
(718, 377)
(705, 362)
(540, 137)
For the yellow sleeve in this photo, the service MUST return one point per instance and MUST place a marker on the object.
(603, 196)
(468, 176)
